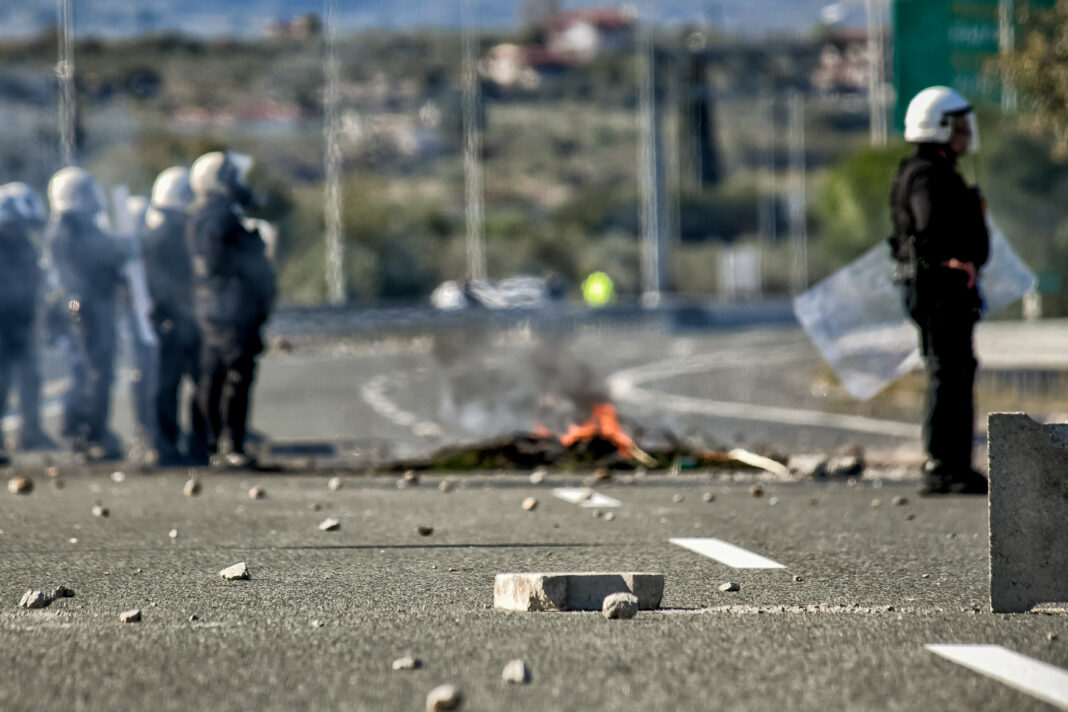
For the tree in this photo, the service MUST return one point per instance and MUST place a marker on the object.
(1038, 70)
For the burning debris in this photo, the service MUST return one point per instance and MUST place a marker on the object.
(601, 443)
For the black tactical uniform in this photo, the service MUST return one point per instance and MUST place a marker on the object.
(937, 217)
(169, 273)
(233, 294)
(88, 265)
(19, 282)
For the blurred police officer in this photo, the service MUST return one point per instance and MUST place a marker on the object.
(941, 242)
(20, 212)
(134, 314)
(88, 269)
(233, 293)
(170, 285)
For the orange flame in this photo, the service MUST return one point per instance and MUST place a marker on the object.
(604, 423)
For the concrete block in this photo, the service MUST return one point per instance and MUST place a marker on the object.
(1028, 511)
(573, 591)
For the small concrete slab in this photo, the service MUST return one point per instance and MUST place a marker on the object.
(584, 591)
(1028, 511)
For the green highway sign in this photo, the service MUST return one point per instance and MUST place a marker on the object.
(946, 42)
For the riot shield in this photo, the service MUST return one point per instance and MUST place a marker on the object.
(856, 317)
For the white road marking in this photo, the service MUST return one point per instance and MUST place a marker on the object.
(1036, 678)
(626, 385)
(583, 497)
(374, 394)
(726, 553)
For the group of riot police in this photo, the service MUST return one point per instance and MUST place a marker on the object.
(188, 276)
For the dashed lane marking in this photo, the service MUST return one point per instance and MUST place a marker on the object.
(1036, 678)
(584, 498)
(626, 385)
(726, 553)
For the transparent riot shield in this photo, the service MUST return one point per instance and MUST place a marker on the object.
(857, 319)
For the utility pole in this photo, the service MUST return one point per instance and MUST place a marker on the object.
(472, 120)
(796, 202)
(652, 179)
(335, 237)
(65, 76)
(1006, 45)
(767, 217)
(876, 72)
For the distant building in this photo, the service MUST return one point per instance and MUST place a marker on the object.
(844, 64)
(299, 28)
(572, 38)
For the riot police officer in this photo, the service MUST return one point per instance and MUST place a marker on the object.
(233, 293)
(170, 284)
(941, 242)
(88, 269)
(24, 215)
(20, 211)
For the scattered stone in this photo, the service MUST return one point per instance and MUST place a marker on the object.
(677, 498)
(192, 487)
(899, 501)
(530, 504)
(73, 540)
(34, 599)
(573, 591)
(317, 623)
(609, 516)
(257, 493)
(334, 484)
(798, 579)
(424, 530)
(620, 605)
(316, 506)
(926, 576)
(58, 484)
(118, 476)
(756, 491)
(729, 587)
(596, 514)
(844, 466)
(100, 510)
(1051, 636)
(173, 533)
(20, 485)
(517, 672)
(875, 503)
(236, 572)
(194, 618)
(61, 592)
(909, 517)
(708, 497)
(407, 663)
(602, 474)
(52, 471)
(807, 466)
(444, 697)
(330, 524)
(538, 476)
(131, 616)
(408, 479)
(773, 501)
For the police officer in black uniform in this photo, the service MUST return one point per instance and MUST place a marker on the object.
(19, 285)
(88, 264)
(233, 292)
(941, 242)
(169, 273)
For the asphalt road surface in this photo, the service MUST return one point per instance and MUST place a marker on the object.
(841, 627)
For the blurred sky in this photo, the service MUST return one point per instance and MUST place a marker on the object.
(247, 17)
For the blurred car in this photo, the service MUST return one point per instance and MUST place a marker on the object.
(518, 292)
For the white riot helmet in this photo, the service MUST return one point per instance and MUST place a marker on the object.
(72, 189)
(21, 203)
(222, 173)
(172, 189)
(929, 118)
